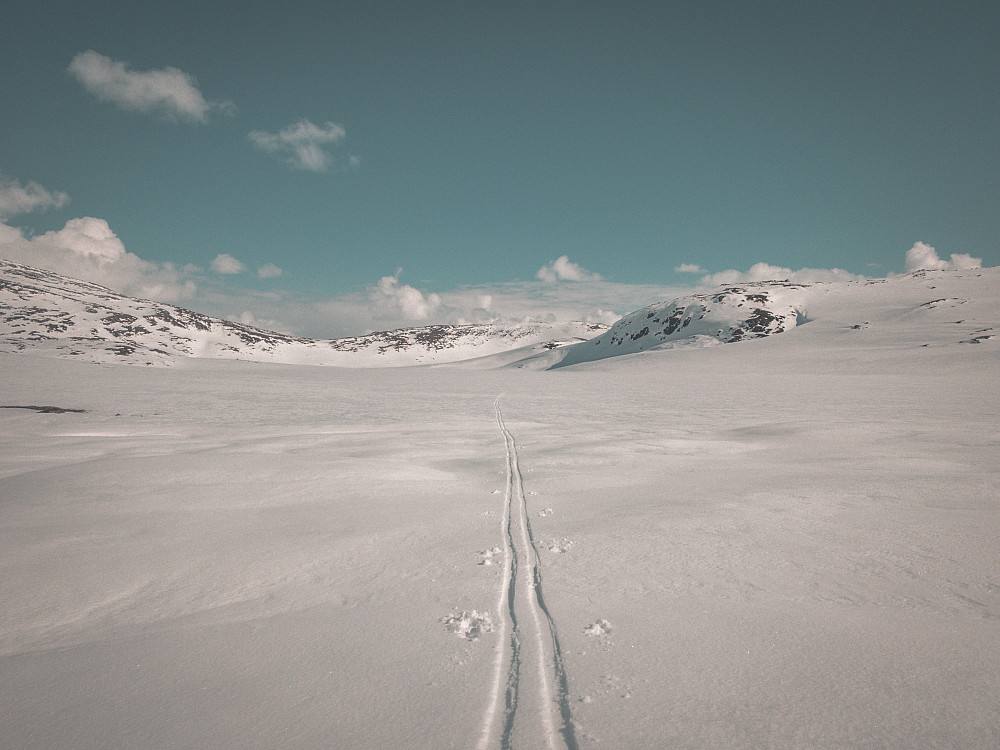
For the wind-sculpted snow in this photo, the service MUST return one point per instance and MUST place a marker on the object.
(47, 313)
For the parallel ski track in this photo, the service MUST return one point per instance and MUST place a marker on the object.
(553, 705)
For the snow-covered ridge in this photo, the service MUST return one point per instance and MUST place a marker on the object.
(55, 315)
(727, 315)
(916, 309)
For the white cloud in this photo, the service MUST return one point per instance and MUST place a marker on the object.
(563, 269)
(269, 271)
(391, 299)
(389, 304)
(86, 248)
(16, 198)
(923, 256)
(227, 264)
(169, 91)
(688, 268)
(767, 272)
(88, 236)
(304, 145)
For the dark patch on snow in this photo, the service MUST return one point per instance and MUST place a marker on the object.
(48, 409)
(977, 339)
(675, 322)
(763, 321)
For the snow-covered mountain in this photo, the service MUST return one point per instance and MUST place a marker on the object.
(924, 308)
(725, 316)
(52, 314)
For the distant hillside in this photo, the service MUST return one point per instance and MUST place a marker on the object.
(924, 308)
(46, 313)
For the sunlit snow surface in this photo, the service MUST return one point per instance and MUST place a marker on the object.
(785, 542)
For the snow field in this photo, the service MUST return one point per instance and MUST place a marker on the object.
(787, 542)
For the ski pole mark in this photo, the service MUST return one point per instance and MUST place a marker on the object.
(526, 592)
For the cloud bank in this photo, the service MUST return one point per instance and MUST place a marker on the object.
(922, 256)
(304, 145)
(169, 91)
(390, 304)
(767, 272)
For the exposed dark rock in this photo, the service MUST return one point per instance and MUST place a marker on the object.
(48, 409)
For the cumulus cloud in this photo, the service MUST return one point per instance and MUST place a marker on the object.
(563, 269)
(923, 256)
(304, 145)
(86, 248)
(392, 299)
(226, 264)
(88, 236)
(767, 272)
(688, 268)
(169, 91)
(16, 198)
(269, 271)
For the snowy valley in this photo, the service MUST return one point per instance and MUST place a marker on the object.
(59, 316)
(761, 516)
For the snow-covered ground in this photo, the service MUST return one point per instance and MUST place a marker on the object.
(783, 542)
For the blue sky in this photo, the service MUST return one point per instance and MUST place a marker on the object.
(473, 144)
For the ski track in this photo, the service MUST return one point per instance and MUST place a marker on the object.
(515, 646)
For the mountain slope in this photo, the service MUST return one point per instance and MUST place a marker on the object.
(51, 314)
(725, 316)
(924, 308)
